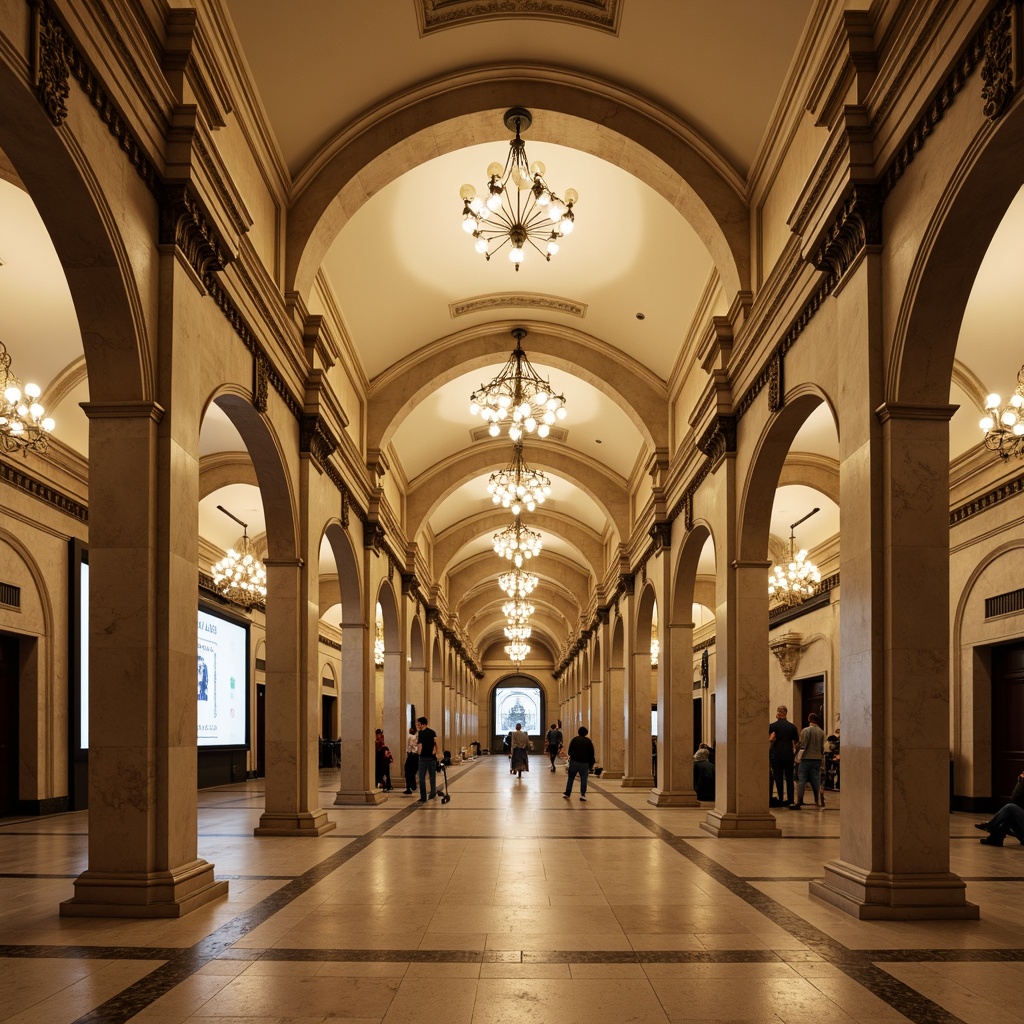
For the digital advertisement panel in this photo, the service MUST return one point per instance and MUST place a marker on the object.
(222, 687)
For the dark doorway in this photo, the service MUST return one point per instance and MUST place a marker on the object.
(10, 680)
(1007, 719)
(261, 730)
(327, 717)
(812, 700)
(698, 722)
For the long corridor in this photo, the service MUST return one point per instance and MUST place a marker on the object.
(506, 904)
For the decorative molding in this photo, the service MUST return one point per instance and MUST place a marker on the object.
(787, 649)
(719, 439)
(661, 533)
(776, 388)
(373, 535)
(52, 52)
(328, 642)
(705, 644)
(44, 492)
(185, 224)
(858, 224)
(998, 69)
(626, 584)
(316, 440)
(438, 14)
(1004, 492)
(517, 300)
(410, 584)
(260, 381)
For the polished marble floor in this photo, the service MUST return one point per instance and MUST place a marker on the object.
(505, 905)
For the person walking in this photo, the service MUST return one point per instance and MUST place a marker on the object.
(581, 759)
(520, 746)
(554, 743)
(412, 761)
(426, 748)
(809, 757)
(783, 740)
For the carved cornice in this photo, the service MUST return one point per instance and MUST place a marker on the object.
(260, 381)
(438, 14)
(776, 388)
(996, 496)
(44, 492)
(316, 439)
(719, 439)
(858, 224)
(328, 642)
(1001, 60)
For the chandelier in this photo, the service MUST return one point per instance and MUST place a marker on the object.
(517, 610)
(655, 646)
(794, 583)
(239, 575)
(378, 640)
(1004, 424)
(517, 486)
(518, 394)
(517, 543)
(517, 650)
(529, 212)
(518, 629)
(23, 421)
(517, 583)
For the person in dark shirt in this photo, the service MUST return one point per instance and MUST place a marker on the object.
(1009, 819)
(581, 760)
(428, 759)
(783, 739)
(553, 741)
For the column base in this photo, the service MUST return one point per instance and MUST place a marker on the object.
(880, 896)
(311, 823)
(360, 797)
(611, 773)
(637, 782)
(680, 798)
(146, 894)
(741, 826)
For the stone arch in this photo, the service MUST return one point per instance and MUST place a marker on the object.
(641, 394)
(440, 116)
(85, 234)
(980, 189)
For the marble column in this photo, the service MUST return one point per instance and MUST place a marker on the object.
(357, 716)
(293, 695)
(741, 681)
(674, 785)
(894, 655)
(143, 835)
(616, 741)
(638, 723)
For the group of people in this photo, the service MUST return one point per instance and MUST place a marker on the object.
(802, 751)
(581, 753)
(421, 755)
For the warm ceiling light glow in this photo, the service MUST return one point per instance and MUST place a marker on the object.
(1004, 424)
(518, 487)
(793, 583)
(517, 583)
(24, 425)
(516, 543)
(239, 575)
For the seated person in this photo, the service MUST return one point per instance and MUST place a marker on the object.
(1008, 819)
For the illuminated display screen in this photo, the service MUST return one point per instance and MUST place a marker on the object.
(222, 690)
(519, 704)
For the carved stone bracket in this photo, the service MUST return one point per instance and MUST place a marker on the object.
(719, 439)
(626, 583)
(787, 649)
(184, 223)
(373, 535)
(1002, 58)
(315, 440)
(410, 584)
(661, 533)
(858, 224)
(52, 52)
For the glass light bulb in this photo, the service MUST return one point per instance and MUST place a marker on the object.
(32, 390)
(467, 192)
(566, 226)
(515, 432)
(481, 245)
(504, 401)
(476, 204)
(530, 423)
(993, 401)
(1016, 400)
(543, 430)
(495, 170)
(516, 255)
(543, 199)
(494, 202)
(12, 395)
(987, 424)
(1018, 429)
(1009, 417)
(561, 413)
(36, 411)
(474, 408)
(469, 224)
(552, 247)
(48, 424)
(538, 168)
(555, 211)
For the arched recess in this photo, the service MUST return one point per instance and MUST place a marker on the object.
(524, 678)
(437, 117)
(390, 712)
(635, 389)
(84, 232)
(953, 246)
(615, 734)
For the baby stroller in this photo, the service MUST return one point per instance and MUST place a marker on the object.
(442, 789)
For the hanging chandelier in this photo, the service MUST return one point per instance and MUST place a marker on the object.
(655, 646)
(239, 575)
(517, 543)
(517, 486)
(517, 610)
(517, 650)
(525, 211)
(518, 630)
(520, 395)
(793, 583)
(1004, 424)
(378, 640)
(24, 424)
(517, 583)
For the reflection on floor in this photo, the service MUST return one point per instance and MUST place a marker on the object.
(507, 904)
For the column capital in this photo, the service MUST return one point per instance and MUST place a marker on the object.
(123, 410)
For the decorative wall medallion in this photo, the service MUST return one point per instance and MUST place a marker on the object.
(599, 14)
(997, 71)
(517, 300)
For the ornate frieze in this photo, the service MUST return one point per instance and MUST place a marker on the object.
(775, 385)
(51, 62)
(44, 492)
(1004, 492)
(517, 300)
(260, 381)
